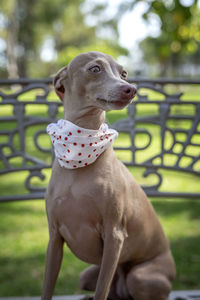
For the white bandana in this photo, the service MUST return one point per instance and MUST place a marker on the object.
(77, 147)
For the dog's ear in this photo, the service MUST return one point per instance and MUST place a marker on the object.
(58, 82)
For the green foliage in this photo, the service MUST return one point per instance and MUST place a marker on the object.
(67, 54)
(179, 38)
(27, 25)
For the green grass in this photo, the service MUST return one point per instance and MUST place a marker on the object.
(24, 237)
(23, 225)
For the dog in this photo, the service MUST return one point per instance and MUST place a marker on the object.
(97, 207)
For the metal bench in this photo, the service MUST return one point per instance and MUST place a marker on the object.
(162, 127)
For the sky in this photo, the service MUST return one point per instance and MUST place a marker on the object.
(133, 29)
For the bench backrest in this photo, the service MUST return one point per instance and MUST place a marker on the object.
(159, 137)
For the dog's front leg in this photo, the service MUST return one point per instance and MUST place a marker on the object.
(113, 243)
(53, 262)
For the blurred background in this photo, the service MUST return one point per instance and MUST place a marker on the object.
(151, 38)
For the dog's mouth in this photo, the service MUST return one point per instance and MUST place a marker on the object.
(115, 103)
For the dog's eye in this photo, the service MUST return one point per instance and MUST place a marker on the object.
(95, 69)
(124, 74)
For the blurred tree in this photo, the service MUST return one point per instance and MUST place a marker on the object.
(11, 38)
(179, 37)
(32, 29)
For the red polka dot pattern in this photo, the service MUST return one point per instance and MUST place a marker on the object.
(77, 147)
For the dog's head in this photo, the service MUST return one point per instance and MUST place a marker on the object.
(94, 79)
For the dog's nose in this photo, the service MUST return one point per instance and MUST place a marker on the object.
(128, 91)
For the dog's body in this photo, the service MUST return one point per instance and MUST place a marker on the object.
(100, 211)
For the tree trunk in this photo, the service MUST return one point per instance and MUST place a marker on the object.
(12, 37)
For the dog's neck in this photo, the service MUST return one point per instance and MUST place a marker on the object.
(77, 147)
(91, 118)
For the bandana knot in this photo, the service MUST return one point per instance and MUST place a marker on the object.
(77, 147)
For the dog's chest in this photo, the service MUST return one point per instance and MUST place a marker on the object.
(80, 226)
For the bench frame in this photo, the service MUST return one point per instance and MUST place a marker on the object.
(135, 124)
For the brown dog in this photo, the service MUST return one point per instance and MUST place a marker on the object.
(99, 210)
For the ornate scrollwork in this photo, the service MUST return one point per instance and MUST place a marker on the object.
(34, 189)
(169, 120)
(147, 133)
(151, 171)
(169, 135)
(24, 89)
(39, 147)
